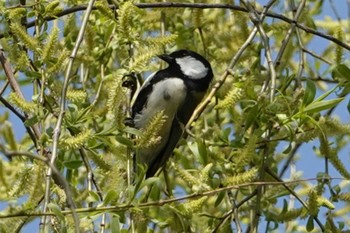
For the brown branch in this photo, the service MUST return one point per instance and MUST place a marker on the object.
(3, 89)
(62, 181)
(292, 192)
(125, 207)
(198, 6)
(33, 131)
(12, 109)
(316, 56)
(10, 75)
(62, 109)
(228, 214)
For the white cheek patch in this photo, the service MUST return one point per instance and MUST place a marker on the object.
(192, 67)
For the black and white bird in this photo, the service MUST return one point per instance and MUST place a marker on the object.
(175, 90)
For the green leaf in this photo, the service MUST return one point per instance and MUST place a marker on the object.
(341, 71)
(156, 192)
(57, 211)
(220, 198)
(125, 141)
(115, 223)
(33, 74)
(93, 197)
(285, 206)
(111, 196)
(310, 224)
(336, 188)
(341, 225)
(148, 182)
(31, 121)
(323, 96)
(310, 92)
(31, 14)
(202, 149)
(107, 131)
(318, 106)
(225, 134)
(252, 115)
(73, 164)
(132, 131)
(288, 149)
(138, 183)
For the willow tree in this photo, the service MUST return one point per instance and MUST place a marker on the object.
(69, 71)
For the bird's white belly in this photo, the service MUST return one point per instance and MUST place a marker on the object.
(167, 96)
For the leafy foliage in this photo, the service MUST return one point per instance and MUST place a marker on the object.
(240, 166)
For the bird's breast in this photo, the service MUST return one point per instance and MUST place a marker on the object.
(166, 95)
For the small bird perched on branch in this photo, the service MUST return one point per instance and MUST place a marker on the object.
(176, 91)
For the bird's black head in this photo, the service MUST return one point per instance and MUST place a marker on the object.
(190, 64)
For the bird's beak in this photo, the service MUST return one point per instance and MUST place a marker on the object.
(166, 58)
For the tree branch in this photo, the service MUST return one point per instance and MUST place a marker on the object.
(33, 131)
(125, 207)
(199, 6)
(57, 129)
(58, 176)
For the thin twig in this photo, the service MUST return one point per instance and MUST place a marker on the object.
(10, 75)
(265, 39)
(91, 177)
(316, 56)
(290, 159)
(300, 43)
(128, 206)
(99, 89)
(334, 10)
(57, 130)
(289, 34)
(296, 196)
(19, 115)
(229, 213)
(12, 109)
(33, 131)
(57, 174)
(222, 79)
(257, 20)
(92, 181)
(16, 88)
(236, 219)
(3, 89)
(199, 6)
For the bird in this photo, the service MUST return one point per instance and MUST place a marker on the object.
(176, 90)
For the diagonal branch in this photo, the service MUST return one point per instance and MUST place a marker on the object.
(199, 6)
(123, 207)
(33, 131)
(296, 196)
(57, 174)
(228, 71)
(57, 130)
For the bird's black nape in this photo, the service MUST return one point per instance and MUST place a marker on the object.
(167, 58)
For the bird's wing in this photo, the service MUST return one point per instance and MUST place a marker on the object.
(177, 129)
(142, 95)
(164, 155)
